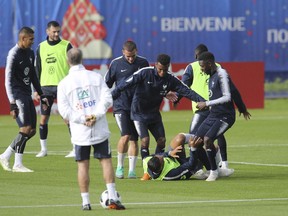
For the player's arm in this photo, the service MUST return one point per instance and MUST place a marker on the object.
(110, 75)
(14, 111)
(134, 79)
(224, 88)
(185, 91)
(236, 97)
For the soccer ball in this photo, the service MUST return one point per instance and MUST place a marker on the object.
(104, 199)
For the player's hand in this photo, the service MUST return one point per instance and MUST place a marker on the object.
(172, 96)
(246, 115)
(90, 120)
(201, 105)
(36, 97)
(173, 153)
(14, 111)
(195, 141)
(44, 102)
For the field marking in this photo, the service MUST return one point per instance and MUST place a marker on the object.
(63, 153)
(260, 164)
(158, 203)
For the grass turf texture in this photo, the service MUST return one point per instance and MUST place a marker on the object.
(257, 150)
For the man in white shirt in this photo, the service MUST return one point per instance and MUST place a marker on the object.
(83, 100)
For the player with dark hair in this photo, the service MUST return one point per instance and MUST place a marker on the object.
(19, 75)
(222, 112)
(51, 68)
(152, 85)
(121, 68)
(198, 81)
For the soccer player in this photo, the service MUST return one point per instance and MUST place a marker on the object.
(19, 74)
(121, 68)
(173, 165)
(152, 84)
(51, 68)
(198, 81)
(222, 112)
(83, 100)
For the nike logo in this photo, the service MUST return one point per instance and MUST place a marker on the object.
(123, 70)
(21, 62)
(149, 82)
(49, 54)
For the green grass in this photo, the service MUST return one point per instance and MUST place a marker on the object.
(257, 150)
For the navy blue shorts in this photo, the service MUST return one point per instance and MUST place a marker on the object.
(27, 113)
(197, 120)
(156, 129)
(213, 127)
(126, 125)
(101, 150)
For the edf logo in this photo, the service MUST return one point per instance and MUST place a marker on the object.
(89, 103)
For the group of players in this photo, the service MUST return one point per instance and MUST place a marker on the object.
(137, 95)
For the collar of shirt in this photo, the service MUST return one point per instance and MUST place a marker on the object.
(76, 68)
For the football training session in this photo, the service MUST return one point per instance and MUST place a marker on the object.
(143, 108)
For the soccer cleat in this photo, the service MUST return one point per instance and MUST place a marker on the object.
(71, 154)
(5, 164)
(119, 172)
(42, 153)
(131, 175)
(212, 176)
(86, 207)
(146, 177)
(115, 205)
(200, 174)
(21, 168)
(225, 172)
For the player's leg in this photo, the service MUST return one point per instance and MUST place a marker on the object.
(103, 153)
(83, 157)
(179, 140)
(217, 127)
(158, 132)
(133, 150)
(25, 120)
(43, 126)
(122, 120)
(143, 132)
(223, 151)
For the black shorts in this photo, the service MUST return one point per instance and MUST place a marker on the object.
(156, 129)
(51, 93)
(101, 150)
(27, 113)
(126, 125)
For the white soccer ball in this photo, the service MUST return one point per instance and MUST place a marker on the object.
(104, 199)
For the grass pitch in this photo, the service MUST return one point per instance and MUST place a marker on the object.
(257, 150)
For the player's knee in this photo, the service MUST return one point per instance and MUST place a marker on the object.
(178, 140)
(208, 142)
(145, 142)
(32, 133)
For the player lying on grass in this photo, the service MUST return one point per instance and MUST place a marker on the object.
(173, 165)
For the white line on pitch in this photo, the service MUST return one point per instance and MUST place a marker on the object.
(158, 203)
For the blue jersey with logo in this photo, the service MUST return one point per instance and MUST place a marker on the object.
(149, 92)
(119, 70)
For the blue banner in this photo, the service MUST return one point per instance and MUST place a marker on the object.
(242, 30)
